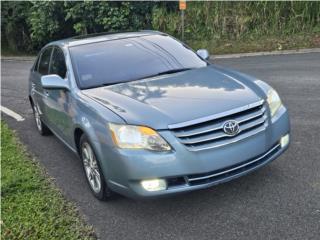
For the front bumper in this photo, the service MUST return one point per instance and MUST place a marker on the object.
(185, 170)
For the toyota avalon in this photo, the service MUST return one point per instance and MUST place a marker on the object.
(150, 117)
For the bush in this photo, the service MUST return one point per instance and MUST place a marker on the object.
(47, 22)
(27, 26)
(235, 20)
(14, 28)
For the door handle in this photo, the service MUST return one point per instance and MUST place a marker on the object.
(33, 88)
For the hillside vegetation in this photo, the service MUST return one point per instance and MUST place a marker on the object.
(219, 26)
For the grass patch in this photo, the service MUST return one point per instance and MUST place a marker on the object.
(258, 44)
(31, 206)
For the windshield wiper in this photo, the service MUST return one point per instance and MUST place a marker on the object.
(173, 71)
(149, 76)
(165, 72)
(113, 83)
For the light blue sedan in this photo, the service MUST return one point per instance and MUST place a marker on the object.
(149, 117)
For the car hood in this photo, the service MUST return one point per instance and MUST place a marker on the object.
(175, 98)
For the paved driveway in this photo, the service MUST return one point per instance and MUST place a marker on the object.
(280, 201)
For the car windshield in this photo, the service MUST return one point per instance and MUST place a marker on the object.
(129, 59)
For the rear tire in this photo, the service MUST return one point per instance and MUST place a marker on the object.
(92, 170)
(42, 128)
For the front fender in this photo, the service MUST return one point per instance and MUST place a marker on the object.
(92, 119)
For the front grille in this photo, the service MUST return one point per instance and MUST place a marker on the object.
(207, 134)
(210, 177)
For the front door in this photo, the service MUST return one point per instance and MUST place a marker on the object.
(59, 106)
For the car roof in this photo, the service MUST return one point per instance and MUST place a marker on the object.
(100, 37)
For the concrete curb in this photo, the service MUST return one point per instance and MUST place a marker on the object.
(284, 52)
(18, 58)
(212, 57)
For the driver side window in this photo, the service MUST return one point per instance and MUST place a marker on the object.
(58, 65)
(44, 61)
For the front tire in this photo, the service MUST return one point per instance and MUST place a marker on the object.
(93, 170)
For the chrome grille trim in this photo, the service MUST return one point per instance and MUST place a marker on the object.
(220, 126)
(197, 140)
(222, 134)
(209, 134)
(247, 118)
(215, 116)
(235, 168)
(252, 124)
(232, 140)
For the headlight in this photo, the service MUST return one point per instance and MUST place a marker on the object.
(274, 101)
(137, 137)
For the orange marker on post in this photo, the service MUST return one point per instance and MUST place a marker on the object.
(182, 7)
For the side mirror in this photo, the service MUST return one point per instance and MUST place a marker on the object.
(54, 81)
(203, 53)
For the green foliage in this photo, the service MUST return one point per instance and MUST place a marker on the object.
(31, 207)
(162, 23)
(236, 20)
(29, 25)
(46, 21)
(94, 17)
(14, 29)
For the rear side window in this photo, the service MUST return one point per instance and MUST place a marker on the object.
(35, 66)
(58, 64)
(44, 62)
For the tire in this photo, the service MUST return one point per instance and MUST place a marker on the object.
(92, 170)
(42, 128)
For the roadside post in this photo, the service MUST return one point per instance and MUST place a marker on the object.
(182, 8)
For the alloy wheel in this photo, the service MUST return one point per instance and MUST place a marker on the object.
(91, 167)
(37, 118)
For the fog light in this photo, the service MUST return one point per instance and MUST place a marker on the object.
(284, 140)
(154, 185)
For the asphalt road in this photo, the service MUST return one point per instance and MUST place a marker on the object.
(279, 201)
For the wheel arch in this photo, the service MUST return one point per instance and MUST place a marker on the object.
(31, 100)
(77, 133)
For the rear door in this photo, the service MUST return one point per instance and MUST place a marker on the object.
(40, 69)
